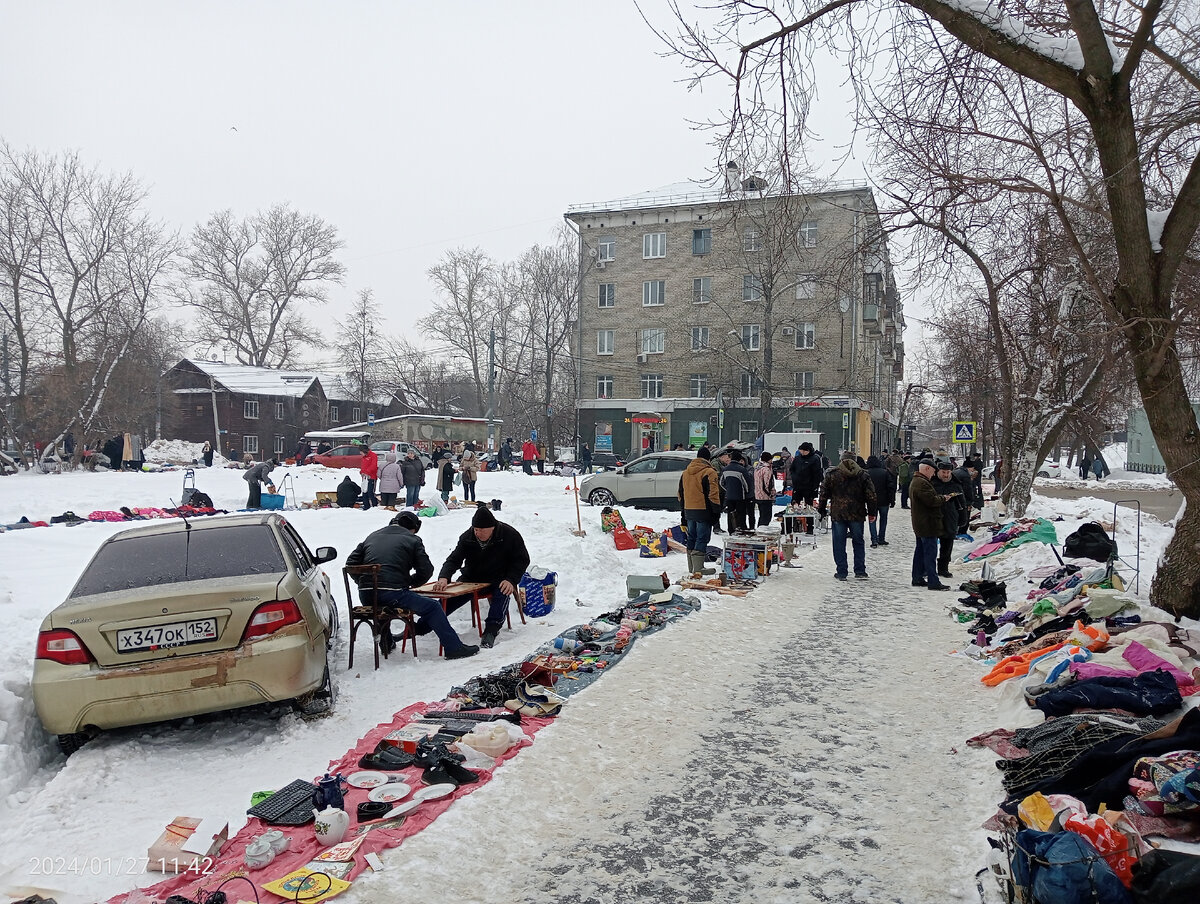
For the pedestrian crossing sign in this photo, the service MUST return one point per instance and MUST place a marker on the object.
(964, 431)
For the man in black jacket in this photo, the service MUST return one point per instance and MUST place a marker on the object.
(405, 564)
(966, 475)
(884, 481)
(490, 552)
(807, 473)
(946, 485)
(348, 492)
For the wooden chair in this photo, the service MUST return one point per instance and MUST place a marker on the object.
(377, 618)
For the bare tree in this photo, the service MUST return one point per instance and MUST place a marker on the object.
(248, 278)
(359, 351)
(463, 313)
(1121, 78)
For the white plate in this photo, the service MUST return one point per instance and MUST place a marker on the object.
(432, 792)
(392, 791)
(406, 807)
(367, 779)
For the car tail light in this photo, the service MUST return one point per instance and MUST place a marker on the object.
(63, 647)
(270, 617)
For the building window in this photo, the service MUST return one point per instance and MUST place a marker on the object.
(607, 295)
(279, 411)
(750, 384)
(747, 431)
(250, 409)
(751, 336)
(809, 234)
(604, 341)
(652, 386)
(806, 286)
(654, 292)
(250, 445)
(654, 244)
(806, 335)
(701, 241)
(654, 342)
(872, 288)
(805, 381)
(699, 338)
(699, 386)
(278, 444)
(355, 415)
(702, 290)
(604, 386)
(334, 417)
(606, 250)
(751, 287)
(751, 240)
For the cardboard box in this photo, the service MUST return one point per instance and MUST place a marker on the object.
(409, 736)
(186, 843)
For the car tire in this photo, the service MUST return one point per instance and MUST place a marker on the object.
(318, 702)
(601, 497)
(69, 743)
(1043, 474)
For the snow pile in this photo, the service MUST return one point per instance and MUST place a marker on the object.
(173, 452)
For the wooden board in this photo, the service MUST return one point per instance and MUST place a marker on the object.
(712, 588)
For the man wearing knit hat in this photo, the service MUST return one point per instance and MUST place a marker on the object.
(489, 552)
(404, 564)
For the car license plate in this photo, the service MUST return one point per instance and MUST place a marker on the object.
(171, 635)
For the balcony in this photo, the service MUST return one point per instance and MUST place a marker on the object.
(870, 316)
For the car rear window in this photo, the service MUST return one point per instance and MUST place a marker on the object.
(196, 555)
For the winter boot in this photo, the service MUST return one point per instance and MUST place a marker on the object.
(696, 563)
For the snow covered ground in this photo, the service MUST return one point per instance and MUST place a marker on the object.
(811, 733)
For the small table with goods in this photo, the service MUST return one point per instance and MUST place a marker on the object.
(455, 590)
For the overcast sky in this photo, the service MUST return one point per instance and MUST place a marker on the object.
(413, 127)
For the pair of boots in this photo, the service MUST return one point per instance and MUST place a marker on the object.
(696, 563)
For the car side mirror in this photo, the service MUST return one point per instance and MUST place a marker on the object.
(325, 554)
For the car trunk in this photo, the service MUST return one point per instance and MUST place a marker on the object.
(166, 621)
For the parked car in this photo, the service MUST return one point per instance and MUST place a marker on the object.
(178, 618)
(606, 461)
(651, 481)
(1048, 469)
(382, 447)
(338, 457)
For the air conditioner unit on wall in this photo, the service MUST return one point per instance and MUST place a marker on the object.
(787, 331)
(600, 265)
(642, 359)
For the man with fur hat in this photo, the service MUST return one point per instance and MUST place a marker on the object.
(489, 552)
(926, 505)
(848, 495)
(404, 564)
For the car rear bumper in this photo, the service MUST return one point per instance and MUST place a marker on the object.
(283, 666)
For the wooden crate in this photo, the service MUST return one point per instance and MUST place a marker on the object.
(326, 497)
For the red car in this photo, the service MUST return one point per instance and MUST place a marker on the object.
(338, 457)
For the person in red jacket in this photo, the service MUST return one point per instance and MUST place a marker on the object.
(528, 455)
(370, 472)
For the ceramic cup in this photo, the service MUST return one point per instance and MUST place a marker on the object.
(259, 853)
(277, 840)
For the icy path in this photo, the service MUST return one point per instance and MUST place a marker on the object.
(804, 744)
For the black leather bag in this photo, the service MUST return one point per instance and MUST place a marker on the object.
(1090, 541)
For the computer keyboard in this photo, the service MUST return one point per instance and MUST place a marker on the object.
(291, 805)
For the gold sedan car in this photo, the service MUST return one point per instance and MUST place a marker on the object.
(178, 618)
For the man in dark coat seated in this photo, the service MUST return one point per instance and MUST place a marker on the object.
(490, 552)
(405, 565)
(348, 492)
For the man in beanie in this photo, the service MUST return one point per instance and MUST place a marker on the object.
(490, 552)
(700, 498)
(806, 473)
(404, 565)
(848, 495)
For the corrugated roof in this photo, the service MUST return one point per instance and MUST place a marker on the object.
(242, 378)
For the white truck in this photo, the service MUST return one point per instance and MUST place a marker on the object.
(774, 442)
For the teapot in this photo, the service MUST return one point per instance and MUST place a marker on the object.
(329, 792)
(331, 824)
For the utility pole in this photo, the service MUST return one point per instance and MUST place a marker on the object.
(491, 412)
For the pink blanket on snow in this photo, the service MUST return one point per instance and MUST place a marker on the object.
(303, 845)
